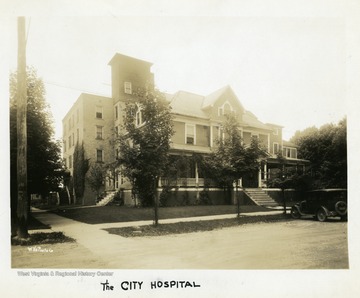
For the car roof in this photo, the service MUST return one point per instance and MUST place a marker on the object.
(328, 190)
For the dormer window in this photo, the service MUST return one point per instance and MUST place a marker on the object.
(226, 108)
(220, 111)
(127, 88)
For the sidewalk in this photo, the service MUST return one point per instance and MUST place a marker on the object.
(115, 250)
(57, 221)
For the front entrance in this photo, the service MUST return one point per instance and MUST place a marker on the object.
(250, 180)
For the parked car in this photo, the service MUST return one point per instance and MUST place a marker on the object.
(322, 203)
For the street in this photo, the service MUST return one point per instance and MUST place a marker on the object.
(294, 244)
(302, 244)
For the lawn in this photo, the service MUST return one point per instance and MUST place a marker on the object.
(37, 238)
(194, 226)
(110, 214)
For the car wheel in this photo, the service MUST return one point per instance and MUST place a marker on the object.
(321, 215)
(341, 208)
(295, 213)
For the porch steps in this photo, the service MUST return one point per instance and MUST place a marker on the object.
(107, 199)
(260, 197)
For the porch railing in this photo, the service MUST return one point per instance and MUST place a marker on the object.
(186, 182)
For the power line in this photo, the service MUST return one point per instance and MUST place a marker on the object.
(71, 87)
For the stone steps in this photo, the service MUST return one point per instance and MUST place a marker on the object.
(107, 199)
(260, 197)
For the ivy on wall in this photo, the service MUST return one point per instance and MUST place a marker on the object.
(81, 166)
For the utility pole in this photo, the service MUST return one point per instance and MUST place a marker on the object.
(22, 195)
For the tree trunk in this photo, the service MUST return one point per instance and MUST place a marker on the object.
(237, 198)
(156, 204)
(22, 195)
(284, 200)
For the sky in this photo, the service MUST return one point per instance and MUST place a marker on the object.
(289, 71)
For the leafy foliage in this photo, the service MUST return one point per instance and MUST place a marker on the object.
(326, 148)
(145, 143)
(96, 178)
(231, 159)
(81, 167)
(44, 164)
(289, 177)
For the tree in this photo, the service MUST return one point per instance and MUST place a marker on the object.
(145, 143)
(44, 164)
(231, 159)
(326, 149)
(81, 167)
(96, 178)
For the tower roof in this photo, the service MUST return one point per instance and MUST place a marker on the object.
(118, 57)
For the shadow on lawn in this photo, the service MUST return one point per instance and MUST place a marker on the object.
(111, 214)
(194, 226)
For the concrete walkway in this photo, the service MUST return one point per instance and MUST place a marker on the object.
(105, 245)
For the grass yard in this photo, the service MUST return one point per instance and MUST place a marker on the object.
(194, 226)
(42, 238)
(110, 214)
(34, 224)
(37, 238)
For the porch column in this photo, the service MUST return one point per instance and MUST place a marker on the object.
(265, 171)
(259, 177)
(196, 175)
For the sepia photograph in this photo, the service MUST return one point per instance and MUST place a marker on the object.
(159, 151)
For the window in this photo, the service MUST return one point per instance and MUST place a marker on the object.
(138, 117)
(77, 135)
(64, 146)
(116, 131)
(190, 134)
(99, 155)
(116, 112)
(99, 132)
(221, 133)
(98, 112)
(70, 161)
(127, 88)
(290, 152)
(275, 147)
(65, 162)
(69, 142)
(220, 111)
(226, 108)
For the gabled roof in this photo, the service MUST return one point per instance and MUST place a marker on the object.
(210, 99)
(250, 119)
(186, 103)
(195, 105)
(289, 144)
